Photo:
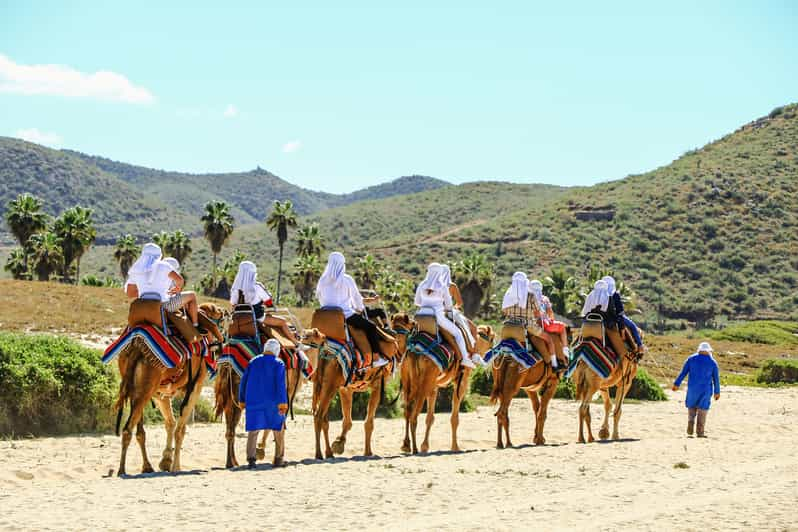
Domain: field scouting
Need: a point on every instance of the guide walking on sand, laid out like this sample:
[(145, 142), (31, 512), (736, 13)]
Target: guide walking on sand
[(703, 382)]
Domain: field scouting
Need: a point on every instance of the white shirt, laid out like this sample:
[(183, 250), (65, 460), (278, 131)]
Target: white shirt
[(343, 294), (160, 281), (257, 295), (438, 299)]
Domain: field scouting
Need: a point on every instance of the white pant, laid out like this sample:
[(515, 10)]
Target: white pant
[(447, 325), (462, 322)]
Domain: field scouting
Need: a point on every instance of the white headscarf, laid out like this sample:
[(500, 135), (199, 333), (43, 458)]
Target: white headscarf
[(598, 297), (435, 281), (145, 265), (447, 274), (272, 346), (245, 281), (704, 347), (517, 292), (611, 289), (333, 272), (536, 289), (173, 263)]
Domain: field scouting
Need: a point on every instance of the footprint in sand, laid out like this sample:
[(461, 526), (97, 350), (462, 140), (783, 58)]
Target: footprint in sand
[(23, 475)]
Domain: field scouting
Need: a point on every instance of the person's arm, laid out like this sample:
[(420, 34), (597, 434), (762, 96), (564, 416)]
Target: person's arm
[(682, 375), (179, 282), (354, 293), (716, 381), (454, 291), (242, 387), (132, 290), (267, 298), (448, 304), (282, 391)]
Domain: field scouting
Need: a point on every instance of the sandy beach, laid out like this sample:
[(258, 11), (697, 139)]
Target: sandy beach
[(744, 476)]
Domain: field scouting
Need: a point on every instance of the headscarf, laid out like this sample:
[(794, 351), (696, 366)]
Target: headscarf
[(435, 281), (536, 289), (611, 289), (145, 265), (517, 292), (333, 272), (173, 263), (272, 347), (245, 281), (598, 297), (704, 347), (447, 274)]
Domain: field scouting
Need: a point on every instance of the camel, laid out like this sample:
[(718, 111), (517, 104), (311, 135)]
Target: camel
[(145, 379), (588, 382), (421, 378), (328, 379), (538, 382)]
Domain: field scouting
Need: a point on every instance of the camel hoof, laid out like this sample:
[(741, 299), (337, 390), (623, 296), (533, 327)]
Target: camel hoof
[(539, 441), (604, 433), (499, 446), (425, 448), (147, 469), (590, 439), (338, 447), (165, 464), (121, 473), (260, 453), (319, 456), (405, 448), (456, 449), (580, 440), (368, 453), (616, 436)]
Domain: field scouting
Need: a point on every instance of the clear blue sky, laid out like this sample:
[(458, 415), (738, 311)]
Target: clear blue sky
[(336, 98)]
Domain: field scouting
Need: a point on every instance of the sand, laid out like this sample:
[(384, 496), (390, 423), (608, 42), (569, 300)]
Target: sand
[(745, 476)]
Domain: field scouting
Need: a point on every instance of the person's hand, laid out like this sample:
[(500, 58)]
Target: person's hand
[(675, 388), (283, 408), (717, 396), (174, 290)]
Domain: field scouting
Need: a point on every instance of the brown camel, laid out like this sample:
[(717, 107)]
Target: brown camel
[(145, 379), (328, 379), (538, 382), (587, 383), (421, 378)]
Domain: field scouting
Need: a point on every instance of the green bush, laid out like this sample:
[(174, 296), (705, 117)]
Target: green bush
[(203, 411), (645, 388), (53, 385), (482, 380), (360, 403), (759, 332), (565, 389), (778, 370)]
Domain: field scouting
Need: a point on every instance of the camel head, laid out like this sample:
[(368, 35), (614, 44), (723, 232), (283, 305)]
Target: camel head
[(402, 324), (213, 311), (485, 338)]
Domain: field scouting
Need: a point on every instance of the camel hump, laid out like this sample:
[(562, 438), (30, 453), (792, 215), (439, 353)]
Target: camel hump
[(330, 322)]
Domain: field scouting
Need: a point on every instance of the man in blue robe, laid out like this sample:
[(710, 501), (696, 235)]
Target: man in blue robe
[(702, 384), (263, 392)]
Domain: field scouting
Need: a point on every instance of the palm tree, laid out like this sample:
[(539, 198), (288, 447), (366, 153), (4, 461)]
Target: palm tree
[(218, 224), (178, 246), (15, 264), (366, 271), (24, 218), (307, 270), (162, 239), (281, 218), (76, 230), (47, 254), (563, 292), (125, 252), (308, 240), (474, 275)]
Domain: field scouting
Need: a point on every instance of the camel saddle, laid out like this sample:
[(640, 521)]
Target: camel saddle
[(330, 321), (427, 323), (593, 327), (243, 323), (514, 331), (149, 311)]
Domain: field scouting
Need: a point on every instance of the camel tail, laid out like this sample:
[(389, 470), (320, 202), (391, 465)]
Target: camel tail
[(317, 384), (580, 381), (125, 390), (498, 383), (220, 392)]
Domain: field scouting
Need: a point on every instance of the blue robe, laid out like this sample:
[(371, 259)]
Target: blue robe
[(262, 388), (703, 381)]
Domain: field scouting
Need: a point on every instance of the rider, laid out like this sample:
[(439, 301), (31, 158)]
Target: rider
[(337, 289), (598, 302), (180, 300), (433, 293), (248, 291), (457, 299), (623, 319), (516, 304), (153, 278), (546, 316)]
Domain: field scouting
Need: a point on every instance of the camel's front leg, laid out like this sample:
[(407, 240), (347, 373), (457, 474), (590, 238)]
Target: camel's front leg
[(534, 398), (232, 416), (374, 403), (461, 388), (604, 431), (321, 421), (542, 411), (164, 405), (431, 398), (620, 395), (141, 438), (406, 442), (339, 445)]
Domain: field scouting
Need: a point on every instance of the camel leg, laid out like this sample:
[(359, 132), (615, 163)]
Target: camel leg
[(431, 398), (541, 411), (499, 428), (164, 404), (503, 421), (406, 442), (415, 409), (136, 411), (374, 403), (620, 395), (604, 431), (141, 438), (457, 398), (180, 429), (339, 445), (145, 382), (321, 421), (534, 398), (232, 416)]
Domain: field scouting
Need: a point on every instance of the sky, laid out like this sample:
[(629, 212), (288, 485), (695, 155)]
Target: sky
[(338, 97)]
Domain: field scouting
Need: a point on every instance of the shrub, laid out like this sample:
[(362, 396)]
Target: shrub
[(759, 332), (482, 380), (565, 389), (778, 370), (203, 411), (645, 388), (53, 385), (360, 403)]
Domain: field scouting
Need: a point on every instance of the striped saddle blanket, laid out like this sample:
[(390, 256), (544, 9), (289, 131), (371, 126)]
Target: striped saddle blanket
[(526, 356), (600, 358), (170, 349), (423, 343), (348, 356), (238, 351)]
